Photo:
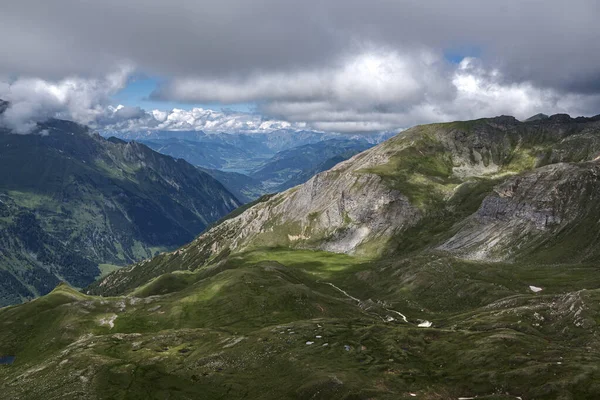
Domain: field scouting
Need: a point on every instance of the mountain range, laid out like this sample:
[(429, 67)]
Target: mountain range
[(253, 164), (74, 205), (454, 260)]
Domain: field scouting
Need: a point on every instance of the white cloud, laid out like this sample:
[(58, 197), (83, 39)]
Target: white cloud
[(83, 100), (377, 90), (195, 119), (385, 90), (371, 78), (87, 101)]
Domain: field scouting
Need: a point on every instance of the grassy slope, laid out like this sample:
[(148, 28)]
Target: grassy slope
[(238, 327)]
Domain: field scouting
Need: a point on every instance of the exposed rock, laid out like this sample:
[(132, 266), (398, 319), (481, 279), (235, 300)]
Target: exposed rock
[(528, 210), (365, 203)]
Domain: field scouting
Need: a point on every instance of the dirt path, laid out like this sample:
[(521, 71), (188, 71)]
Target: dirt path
[(359, 301)]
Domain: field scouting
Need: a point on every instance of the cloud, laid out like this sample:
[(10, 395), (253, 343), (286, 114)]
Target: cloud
[(384, 89), (34, 100), (378, 90), (372, 77), (87, 101), (341, 65), (550, 43), (195, 119)]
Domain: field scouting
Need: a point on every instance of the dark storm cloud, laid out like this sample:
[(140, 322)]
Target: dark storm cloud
[(552, 42)]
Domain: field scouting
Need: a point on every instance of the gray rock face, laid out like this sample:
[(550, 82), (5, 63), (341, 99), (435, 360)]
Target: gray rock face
[(528, 210), (337, 210)]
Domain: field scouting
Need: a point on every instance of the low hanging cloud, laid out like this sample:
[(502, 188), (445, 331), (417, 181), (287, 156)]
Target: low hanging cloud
[(88, 101), (34, 100), (372, 92), (124, 119)]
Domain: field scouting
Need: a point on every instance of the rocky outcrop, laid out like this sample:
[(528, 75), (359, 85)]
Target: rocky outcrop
[(337, 210), (526, 214)]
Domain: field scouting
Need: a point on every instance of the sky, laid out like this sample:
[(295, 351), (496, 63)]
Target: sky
[(326, 65)]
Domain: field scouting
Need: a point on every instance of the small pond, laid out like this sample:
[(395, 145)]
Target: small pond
[(7, 360)]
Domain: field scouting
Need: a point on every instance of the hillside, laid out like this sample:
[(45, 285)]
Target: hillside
[(453, 261), (72, 202), (432, 176)]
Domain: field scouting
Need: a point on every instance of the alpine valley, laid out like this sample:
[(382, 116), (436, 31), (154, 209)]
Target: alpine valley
[(452, 261), (253, 164), (74, 205)]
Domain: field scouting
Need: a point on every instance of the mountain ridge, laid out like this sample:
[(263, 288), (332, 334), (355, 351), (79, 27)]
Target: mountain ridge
[(74, 201), (366, 202)]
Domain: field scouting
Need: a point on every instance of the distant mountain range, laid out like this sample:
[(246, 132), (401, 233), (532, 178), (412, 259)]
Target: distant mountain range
[(73, 204), (258, 143), (294, 166)]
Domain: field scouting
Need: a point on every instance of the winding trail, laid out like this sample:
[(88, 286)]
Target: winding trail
[(359, 301), (343, 291), (399, 313)]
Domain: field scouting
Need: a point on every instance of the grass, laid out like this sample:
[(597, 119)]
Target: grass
[(106, 269), (422, 171), (240, 329), (320, 263)]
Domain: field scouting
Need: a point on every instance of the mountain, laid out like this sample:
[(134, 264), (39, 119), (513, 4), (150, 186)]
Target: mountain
[(139, 136), (246, 164), (287, 167), (243, 187), (206, 154), (454, 260), (237, 152), (305, 174), (537, 117), (260, 143), (72, 202), (285, 139)]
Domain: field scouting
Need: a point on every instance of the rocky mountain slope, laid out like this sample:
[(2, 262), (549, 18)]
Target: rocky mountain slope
[(71, 201), (453, 261), (373, 202)]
